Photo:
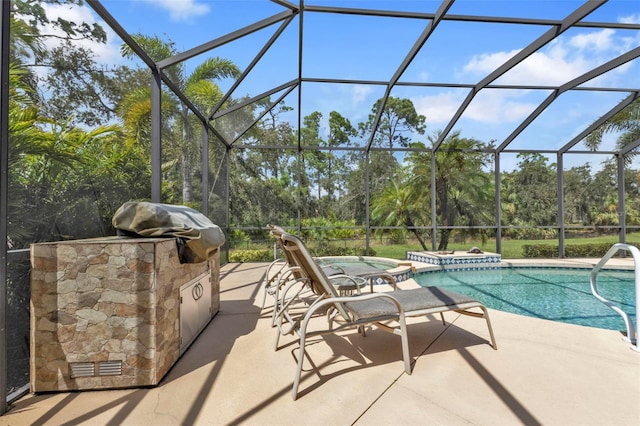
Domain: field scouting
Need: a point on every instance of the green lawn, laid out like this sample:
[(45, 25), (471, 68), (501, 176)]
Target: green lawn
[(511, 249)]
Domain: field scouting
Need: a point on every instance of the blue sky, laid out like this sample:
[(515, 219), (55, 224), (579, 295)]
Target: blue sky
[(371, 48)]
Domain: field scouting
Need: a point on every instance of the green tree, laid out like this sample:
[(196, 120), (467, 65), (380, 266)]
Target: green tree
[(399, 205), (201, 87), (578, 193), (70, 85), (464, 190), (531, 193), (78, 87), (314, 159), (626, 121), (43, 157), (398, 122), (264, 178), (275, 132), (604, 202)]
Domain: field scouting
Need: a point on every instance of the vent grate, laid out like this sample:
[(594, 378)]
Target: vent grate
[(110, 368), (81, 369), (88, 369)]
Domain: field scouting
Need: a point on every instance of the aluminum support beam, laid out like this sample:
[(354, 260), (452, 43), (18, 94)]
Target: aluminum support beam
[(465, 18), (628, 148), (600, 121), (462, 85), (205, 169), (260, 116), (251, 65), (227, 191), (608, 66), (5, 34), (434, 217), (431, 26), (622, 216), (156, 137), (560, 198), (188, 54), (541, 41), (367, 200), (249, 101), (286, 4), (121, 32), (299, 115), (497, 183)]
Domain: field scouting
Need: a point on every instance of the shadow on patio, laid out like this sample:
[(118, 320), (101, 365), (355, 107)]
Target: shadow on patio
[(543, 373)]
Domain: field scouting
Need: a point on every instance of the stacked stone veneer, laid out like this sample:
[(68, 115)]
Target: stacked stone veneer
[(108, 301)]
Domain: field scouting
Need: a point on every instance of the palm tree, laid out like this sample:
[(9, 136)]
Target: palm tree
[(397, 206), (200, 88), (464, 191), (40, 159), (626, 121)]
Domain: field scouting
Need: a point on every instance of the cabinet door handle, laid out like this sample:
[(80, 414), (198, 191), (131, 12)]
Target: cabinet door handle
[(197, 291)]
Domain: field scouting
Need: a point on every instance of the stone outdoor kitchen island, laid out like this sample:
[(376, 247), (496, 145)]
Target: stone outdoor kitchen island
[(106, 312)]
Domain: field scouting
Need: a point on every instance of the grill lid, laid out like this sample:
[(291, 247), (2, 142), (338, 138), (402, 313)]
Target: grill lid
[(198, 237)]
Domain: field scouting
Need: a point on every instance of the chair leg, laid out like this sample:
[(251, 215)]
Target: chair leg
[(486, 317), (404, 338), (276, 299), (296, 380), (275, 344)]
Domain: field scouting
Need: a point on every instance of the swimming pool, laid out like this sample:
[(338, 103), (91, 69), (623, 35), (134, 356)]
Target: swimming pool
[(557, 294)]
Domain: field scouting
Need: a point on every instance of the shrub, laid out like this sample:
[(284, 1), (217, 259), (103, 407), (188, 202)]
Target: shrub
[(571, 250), (331, 250), (266, 255), (240, 256), (326, 229), (539, 250)]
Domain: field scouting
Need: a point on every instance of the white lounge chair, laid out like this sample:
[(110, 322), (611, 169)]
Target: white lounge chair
[(388, 310)]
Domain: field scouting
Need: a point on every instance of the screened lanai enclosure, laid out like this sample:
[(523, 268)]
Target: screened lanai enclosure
[(369, 125)]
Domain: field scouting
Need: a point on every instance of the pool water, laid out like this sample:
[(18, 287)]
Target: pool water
[(557, 294)]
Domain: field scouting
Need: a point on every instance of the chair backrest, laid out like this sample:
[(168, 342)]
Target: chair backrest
[(318, 280), (277, 233), (276, 230)]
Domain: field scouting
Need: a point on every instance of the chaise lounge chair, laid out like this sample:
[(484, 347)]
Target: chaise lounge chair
[(380, 309), (348, 280)]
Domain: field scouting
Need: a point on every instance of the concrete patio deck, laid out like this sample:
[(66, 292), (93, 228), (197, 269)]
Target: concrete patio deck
[(542, 373)]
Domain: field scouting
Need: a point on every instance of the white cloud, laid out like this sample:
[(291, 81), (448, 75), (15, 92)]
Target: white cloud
[(439, 108), (490, 106), (631, 19), (360, 94), (541, 68), (181, 10), (560, 61), (107, 54), (498, 108), (487, 62), (598, 41)]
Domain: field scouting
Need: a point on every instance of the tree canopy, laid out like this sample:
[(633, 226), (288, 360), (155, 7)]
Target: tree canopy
[(81, 138)]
